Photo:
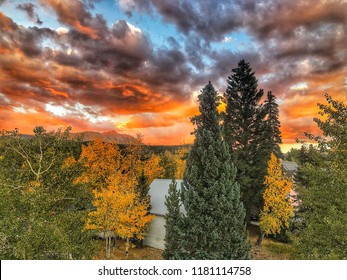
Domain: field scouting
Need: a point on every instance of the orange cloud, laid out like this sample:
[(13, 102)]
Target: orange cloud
[(27, 121), (58, 93), (85, 29), (73, 14), (6, 23), (178, 134), (299, 105)]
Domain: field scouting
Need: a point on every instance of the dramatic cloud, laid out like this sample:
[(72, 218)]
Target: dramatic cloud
[(83, 67), (75, 14)]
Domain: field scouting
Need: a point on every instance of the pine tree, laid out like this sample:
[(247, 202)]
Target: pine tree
[(142, 188), (243, 125), (214, 225), (272, 124), (173, 220)]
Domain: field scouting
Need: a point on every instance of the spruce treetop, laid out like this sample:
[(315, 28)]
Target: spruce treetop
[(242, 84), (209, 117)]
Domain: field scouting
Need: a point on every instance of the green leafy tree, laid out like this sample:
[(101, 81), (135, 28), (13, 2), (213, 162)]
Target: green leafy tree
[(323, 191), (293, 155), (214, 226), (173, 223), (311, 155), (243, 131), (323, 206), (334, 127), (42, 210)]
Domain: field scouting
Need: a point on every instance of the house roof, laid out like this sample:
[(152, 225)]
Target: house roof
[(158, 189), (289, 167)]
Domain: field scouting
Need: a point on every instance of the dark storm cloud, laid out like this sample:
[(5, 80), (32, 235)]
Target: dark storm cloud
[(209, 19), (284, 28), (294, 14), (212, 20), (168, 67), (26, 39), (196, 49), (303, 30), (75, 14), (29, 9)]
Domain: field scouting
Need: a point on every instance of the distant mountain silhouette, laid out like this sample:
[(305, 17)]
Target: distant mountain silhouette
[(108, 136)]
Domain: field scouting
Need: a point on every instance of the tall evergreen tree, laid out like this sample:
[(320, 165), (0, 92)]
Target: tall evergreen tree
[(214, 223), (173, 220), (269, 133), (142, 188), (272, 131), (243, 126)]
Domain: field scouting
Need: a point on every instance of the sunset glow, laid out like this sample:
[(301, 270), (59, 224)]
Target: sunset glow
[(138, 66)]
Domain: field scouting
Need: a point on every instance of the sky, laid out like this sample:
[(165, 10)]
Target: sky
[(138, 66)]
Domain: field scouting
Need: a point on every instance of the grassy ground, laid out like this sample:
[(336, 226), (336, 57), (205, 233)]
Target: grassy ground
[(118, 253), (270, 250)]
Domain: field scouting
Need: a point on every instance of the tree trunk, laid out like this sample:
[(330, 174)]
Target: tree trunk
[(127, 247), (108, 246), (114, 243), (248, 217), (260, 238)]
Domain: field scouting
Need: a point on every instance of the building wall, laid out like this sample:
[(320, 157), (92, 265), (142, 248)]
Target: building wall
[(156, 233)]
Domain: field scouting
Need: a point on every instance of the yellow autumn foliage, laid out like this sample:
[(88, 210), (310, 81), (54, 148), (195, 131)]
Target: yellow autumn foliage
[(68, 162), (100, 161), (277, 209), (119, 209), (113, 175)]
